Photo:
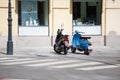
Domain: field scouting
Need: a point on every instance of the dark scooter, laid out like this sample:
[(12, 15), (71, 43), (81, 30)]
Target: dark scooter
[(61, 42), (81, 43)]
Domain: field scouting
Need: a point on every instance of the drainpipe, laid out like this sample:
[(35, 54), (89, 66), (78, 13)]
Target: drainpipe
[(52, 37)]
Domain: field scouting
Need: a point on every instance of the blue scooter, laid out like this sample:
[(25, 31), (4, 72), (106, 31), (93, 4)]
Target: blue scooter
[(81, 43)]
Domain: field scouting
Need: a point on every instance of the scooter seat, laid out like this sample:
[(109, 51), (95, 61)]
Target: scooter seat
[(85, 37)]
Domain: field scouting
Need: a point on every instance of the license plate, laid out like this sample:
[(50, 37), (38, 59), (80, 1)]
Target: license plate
[(90, 47)]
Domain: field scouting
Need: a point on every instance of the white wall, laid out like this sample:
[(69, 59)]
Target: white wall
[(113, 16), (113, 23)]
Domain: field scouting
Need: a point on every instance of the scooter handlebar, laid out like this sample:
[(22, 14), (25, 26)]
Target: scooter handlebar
[(79, 32)]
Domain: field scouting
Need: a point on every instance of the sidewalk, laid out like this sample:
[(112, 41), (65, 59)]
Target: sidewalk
[(100, 54), (48, 51), (28, 51)]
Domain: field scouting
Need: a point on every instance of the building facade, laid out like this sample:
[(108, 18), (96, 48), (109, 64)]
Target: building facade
[(35, 22)]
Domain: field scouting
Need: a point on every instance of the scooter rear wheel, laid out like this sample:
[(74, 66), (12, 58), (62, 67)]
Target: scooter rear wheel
[(86, 52), (65, 50)]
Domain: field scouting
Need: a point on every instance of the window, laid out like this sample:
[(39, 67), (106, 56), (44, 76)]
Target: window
[(33, 17), (33, 13), (87, 12)]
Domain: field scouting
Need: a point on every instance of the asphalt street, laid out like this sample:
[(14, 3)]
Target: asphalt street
[(56, 68), (44, 64)]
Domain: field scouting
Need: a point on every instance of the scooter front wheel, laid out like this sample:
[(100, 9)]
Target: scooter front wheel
[(56, 49), (73, 49)]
